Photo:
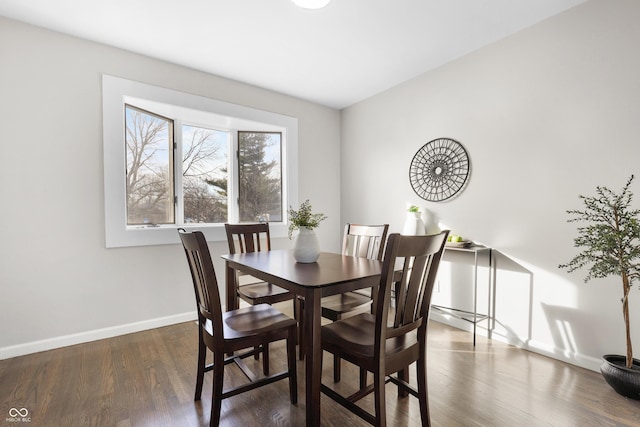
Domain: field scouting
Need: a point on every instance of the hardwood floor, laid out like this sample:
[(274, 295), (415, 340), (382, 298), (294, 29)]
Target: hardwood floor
[(148, 379)]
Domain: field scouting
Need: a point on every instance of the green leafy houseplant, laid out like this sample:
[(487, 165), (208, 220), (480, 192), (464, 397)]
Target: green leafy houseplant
[(303, 217), (610, 243), (413, 208)]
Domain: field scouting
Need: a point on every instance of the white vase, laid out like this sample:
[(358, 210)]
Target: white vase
[(306, 248), (413, 225)]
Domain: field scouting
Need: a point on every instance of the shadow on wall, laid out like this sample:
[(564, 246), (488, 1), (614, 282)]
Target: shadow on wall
[(509, 334), (512, 300), (572, 335), (505, 290), (567, 339)]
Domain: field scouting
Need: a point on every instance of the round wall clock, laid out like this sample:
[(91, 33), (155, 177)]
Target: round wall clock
[(439, 169)]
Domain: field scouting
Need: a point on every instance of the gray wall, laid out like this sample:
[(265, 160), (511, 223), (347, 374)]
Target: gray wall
[(545, 115), (58, 283)]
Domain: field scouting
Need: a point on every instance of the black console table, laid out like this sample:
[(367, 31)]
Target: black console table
[(472, 316)]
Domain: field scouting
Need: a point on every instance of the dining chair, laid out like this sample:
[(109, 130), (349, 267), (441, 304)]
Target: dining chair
[(362, 241), (252, 327), (243, 238), (372, 342)]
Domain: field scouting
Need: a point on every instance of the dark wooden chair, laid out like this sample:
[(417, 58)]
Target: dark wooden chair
[(371, 342), (243, 238), (365, 241), (251, 327)]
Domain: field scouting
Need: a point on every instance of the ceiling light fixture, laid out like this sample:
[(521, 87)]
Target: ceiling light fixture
[(311, 4)]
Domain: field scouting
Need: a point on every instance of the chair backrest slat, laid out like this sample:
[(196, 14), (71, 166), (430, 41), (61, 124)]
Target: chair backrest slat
[(243, 238), (366, 241)]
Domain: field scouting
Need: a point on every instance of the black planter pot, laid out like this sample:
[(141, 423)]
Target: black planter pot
[(623, 380)]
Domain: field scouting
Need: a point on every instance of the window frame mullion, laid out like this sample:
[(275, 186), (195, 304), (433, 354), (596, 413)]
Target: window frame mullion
[(233, 185), (177, 167)]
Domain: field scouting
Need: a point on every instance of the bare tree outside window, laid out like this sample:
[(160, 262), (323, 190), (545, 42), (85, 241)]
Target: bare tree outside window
[(260, 174), (204, 168), (149, 157), (204, 172)]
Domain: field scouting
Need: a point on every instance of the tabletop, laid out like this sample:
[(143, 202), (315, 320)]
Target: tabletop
[(329, 270)]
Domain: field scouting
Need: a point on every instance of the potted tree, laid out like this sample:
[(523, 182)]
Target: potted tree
[(610, 243)]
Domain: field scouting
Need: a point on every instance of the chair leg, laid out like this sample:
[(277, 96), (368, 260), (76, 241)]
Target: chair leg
[(202, 354), (379, 398), (301, 348), (363, 378), (423, 391), (216, 396), (403, 375), (265, 358), (336, 361), (336, 369), (291, 362), (298, 308)]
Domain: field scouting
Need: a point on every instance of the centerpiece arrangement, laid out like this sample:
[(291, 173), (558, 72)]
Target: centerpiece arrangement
[(306, 248), (611, 247)]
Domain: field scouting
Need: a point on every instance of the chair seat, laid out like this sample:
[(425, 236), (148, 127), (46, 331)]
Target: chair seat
[(335, 306), (263, 292), (357, 334), (253, 320)]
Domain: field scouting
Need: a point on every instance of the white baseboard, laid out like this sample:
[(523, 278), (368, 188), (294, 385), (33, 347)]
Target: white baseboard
[(97, 334), (573, 358)]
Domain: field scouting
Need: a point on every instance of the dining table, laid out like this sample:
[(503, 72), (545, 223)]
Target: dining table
[(331, 274)]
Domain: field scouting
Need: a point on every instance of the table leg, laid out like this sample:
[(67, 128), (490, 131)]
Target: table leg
[(491, 296), (232, 297), (313, 355), (475, 296)]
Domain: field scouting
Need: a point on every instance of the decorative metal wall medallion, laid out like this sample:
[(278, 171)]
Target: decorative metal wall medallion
[(439, 170)]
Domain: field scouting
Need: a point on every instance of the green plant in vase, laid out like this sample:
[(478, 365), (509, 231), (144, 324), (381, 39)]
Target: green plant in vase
[(306, 248), (304, 217)]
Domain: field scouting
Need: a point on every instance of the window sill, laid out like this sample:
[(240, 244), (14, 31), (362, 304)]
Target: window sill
[(168, 234)]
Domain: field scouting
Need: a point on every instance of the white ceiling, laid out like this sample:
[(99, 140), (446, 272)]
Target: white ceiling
[(336, 56)]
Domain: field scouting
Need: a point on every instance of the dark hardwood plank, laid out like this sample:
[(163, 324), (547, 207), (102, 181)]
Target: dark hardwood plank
[(148, 379)]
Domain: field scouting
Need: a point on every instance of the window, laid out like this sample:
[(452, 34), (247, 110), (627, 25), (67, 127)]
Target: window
[(149, 153), (205, 177), (260, 176), (178, 160), (152, 187)]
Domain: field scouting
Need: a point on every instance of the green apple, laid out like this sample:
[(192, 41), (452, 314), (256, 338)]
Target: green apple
[(455, 238)]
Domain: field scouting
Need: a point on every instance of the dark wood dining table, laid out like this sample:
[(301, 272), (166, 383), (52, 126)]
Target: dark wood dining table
[(331, 274)]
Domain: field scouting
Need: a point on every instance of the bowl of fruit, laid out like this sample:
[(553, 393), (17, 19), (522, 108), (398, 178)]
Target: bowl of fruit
[(456, 241)]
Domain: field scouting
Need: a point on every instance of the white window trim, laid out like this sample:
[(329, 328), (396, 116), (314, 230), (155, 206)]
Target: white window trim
[(115, 91)]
